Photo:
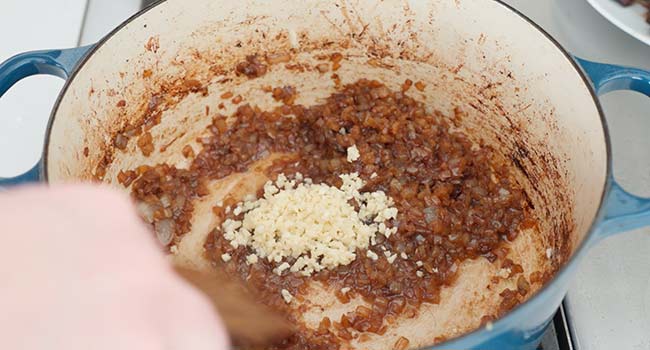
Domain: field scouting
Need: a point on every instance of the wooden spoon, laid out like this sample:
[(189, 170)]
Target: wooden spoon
[(248, 321)]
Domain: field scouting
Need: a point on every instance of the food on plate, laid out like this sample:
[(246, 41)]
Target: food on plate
[(645, 3)]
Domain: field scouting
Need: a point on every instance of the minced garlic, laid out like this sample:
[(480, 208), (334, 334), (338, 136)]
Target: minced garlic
[(281, 268), (353, 153), (313, 225), (251, 259), (372, 255), (286, 296)]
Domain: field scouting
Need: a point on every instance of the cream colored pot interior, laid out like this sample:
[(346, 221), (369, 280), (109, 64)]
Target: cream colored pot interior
[(491, 72)]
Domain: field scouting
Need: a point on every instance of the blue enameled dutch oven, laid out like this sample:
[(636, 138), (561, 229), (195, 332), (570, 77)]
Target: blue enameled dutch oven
[(516, 88)]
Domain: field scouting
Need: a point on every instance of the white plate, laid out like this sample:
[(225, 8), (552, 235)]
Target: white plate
[(630, 19)]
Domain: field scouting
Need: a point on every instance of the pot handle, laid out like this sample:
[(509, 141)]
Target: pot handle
[(59, 63), (623, 211)]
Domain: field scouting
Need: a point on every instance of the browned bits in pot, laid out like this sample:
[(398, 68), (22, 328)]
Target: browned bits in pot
[(104, 162), (153, 44), (336, 59), (401, 344), (100, 171), (364, 337), (515, 269), (237, 99), (126, 177), (152, 120), (278, 58), (145, 142), (407, 85), (509, 299), (207, 111), (528, 223), (132, 131), (487, 318), (325, 324), (374, 62), (343, 297), (440, 339), (323, 67), (221, 106), (420, 85), (252, 67), (345, 334), (162, 194), (336, 79), (86, 152), (457, 68), (523, 287), (286, 94), (142, 169), (193, 85), (121, 103), (363, 319), (219, 124), (226, 95), (449, 208), (535, 277), (295, 66), (188, 151), (146, 73), (120, 141)]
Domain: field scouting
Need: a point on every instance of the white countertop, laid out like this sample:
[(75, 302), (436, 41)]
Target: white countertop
[(609, 301)]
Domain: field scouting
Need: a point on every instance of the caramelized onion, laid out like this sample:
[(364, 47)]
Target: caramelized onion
[(145, 210), (164, 231), (455, 201)]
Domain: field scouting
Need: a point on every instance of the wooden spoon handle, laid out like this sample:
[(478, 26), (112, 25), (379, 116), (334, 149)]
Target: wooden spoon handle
[(247, 320)]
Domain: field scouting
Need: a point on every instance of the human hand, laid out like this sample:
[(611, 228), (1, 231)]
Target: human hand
[(78, 270)]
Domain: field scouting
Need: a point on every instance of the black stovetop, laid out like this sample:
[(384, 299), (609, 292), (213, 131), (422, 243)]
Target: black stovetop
[(558, 336)]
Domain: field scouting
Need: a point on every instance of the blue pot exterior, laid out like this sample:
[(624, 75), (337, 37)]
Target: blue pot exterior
[(524, 326), (60, 63)]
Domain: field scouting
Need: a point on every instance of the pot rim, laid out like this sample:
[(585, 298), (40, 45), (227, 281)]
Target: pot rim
[(519, 309)]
